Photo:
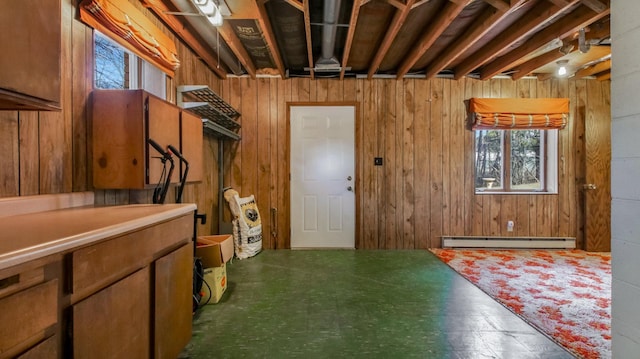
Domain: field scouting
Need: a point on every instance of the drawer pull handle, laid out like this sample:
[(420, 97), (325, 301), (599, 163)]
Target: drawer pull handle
[(6, 282)]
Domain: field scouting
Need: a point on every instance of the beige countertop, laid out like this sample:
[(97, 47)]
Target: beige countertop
[(27, 237)]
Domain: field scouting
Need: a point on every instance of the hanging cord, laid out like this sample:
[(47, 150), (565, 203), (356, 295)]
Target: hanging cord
[(160, 192)]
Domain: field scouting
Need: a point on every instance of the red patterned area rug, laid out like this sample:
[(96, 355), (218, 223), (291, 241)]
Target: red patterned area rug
[(566, 294)]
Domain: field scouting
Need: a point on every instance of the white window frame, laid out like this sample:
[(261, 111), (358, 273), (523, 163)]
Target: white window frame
[(142, 74), (549, 163)]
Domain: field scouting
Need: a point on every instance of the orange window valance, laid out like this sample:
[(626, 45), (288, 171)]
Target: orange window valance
[(519, 113), (124, 23)]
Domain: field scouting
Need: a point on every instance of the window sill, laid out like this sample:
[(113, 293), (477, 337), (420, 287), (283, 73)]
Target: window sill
[(517, 192)]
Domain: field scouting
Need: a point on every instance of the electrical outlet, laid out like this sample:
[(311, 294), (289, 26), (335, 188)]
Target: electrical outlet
[(509, 226)]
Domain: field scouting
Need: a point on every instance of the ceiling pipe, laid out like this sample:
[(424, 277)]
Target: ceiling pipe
[(330, 22), (210, 34)]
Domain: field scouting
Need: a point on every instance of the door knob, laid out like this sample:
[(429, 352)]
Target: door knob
[(589, 186), (350, 189)]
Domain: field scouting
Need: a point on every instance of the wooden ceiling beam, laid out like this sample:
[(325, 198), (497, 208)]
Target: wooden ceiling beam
[(398, 20), (297, 4), (604, 76), (522, 70), (355, 11), (560, 3), (270, 38), (161, 10), (526, 68), (594, 70), (397, 4), (562, 28), (307, 30), (230, 38), (489, 19), (434, 30), (524, 27), (596, 5), (500, 5)]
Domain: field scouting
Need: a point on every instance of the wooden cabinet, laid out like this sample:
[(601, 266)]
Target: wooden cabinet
[(191, 145), (114, 323), (131, 295), (173, 289), (30, 34), (123, 122), (29, 314), (118, 283)]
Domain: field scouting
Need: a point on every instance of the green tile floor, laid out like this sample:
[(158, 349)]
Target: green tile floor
[(358, 304)]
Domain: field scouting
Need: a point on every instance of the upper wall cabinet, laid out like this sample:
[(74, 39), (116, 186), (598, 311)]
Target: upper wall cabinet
[(30, 38), (123, 122)]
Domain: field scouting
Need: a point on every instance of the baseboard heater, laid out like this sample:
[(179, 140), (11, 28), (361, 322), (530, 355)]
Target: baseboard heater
[(508, 242)]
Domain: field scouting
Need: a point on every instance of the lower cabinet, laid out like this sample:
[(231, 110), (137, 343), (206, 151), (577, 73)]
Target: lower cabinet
[(128, 296), (28, 311), (114, 323), (173, 302), (144, 311)]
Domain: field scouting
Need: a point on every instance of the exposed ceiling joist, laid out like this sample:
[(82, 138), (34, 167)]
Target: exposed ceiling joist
[(307, 29), (226, 32), (566, 26), (434, 30), (526, 68), (594, 70), (161, 10), (560, 3), (267, 31), (499, 4), (296, 3), (604, 76), (418, 3), (596, 5), (348, 43), (397, 4), (490, 18), (398, 19), (528, 25)]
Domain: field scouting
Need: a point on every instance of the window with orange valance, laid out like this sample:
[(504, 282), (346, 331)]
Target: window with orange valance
[(125, 24), (519, 113)]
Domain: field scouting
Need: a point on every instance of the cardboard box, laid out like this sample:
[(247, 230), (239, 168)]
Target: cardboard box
[(216, 284), (215, 250)]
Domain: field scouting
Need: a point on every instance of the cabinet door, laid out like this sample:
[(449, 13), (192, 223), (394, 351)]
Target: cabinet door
[(30, 34), (114, 323), (173, 302), (118, 154), (26, 315), (191, 144), (163, 126)]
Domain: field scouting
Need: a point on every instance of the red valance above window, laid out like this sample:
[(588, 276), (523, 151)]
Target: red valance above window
[(125, 24), (519, 113)]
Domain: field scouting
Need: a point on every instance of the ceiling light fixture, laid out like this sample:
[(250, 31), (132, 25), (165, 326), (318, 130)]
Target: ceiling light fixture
[(210, 9), (562, 67)]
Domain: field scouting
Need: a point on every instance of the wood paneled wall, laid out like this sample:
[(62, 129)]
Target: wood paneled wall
[(424, 189)]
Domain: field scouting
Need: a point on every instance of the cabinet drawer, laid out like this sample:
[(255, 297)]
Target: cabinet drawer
[(25, 316), (99, 265), (48, 349)]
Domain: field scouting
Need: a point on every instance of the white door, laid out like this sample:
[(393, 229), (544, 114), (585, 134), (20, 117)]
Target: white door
[(322, 176)]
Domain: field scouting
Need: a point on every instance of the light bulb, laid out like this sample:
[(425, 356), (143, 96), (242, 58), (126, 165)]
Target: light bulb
[(562, 71)]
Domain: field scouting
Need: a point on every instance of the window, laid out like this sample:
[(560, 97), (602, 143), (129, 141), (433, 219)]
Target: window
[(118, 68), (520, 161)]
